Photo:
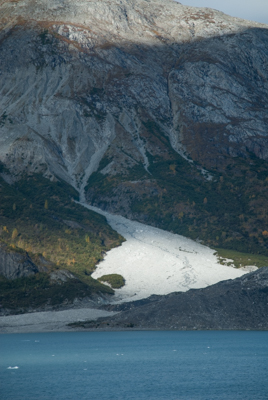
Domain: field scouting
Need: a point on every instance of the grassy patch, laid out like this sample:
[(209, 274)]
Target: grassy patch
[(115, 280), (242, 259)]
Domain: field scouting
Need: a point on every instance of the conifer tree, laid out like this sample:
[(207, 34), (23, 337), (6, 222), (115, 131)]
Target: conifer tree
[(14, 233)]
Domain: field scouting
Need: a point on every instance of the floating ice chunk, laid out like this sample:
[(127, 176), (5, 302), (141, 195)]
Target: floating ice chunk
[(16, 367)]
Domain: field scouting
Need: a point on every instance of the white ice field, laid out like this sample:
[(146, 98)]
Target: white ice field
[(154, 261)]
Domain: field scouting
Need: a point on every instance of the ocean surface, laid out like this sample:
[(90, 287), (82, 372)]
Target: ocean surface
[(198, 365)]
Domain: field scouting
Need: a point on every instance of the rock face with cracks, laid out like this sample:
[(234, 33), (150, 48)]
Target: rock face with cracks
[(14, 265), (79, 76)]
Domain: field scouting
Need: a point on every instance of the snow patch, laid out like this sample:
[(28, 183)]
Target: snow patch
[(154, 261)]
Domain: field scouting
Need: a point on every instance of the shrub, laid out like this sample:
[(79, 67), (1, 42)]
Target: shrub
[(115, 280)]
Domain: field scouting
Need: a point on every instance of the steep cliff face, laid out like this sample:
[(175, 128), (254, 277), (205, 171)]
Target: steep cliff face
[(138, 85), (14, 265)]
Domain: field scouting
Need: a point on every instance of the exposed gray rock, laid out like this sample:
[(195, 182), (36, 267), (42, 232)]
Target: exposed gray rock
[(241, 303), (61, 276), (15, 265), (84, 79), (79, 76)]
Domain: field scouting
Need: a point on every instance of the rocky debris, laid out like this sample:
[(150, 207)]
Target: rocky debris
[(241, 303), (47, 321), (15, 265)]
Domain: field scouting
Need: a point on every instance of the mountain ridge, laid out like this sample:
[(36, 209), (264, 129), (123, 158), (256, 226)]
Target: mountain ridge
[(57, 49)]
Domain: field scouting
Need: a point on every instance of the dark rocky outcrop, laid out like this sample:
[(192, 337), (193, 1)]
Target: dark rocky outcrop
[(236, 304), (15, 265)]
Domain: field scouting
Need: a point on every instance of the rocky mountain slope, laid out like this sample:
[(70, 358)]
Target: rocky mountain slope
[(158, 110), (241, 303)]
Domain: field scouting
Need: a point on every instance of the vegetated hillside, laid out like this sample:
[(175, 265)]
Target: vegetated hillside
[(40, 221), (227, 211), (241, 303), (158, 109)]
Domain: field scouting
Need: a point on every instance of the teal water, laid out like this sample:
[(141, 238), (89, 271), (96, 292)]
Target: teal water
[(135, 365)]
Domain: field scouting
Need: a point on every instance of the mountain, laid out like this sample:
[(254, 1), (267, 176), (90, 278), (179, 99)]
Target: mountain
[(144, 108), (157, 110)]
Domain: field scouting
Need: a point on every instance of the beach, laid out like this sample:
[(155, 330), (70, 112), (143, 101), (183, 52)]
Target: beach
[(48, 321)]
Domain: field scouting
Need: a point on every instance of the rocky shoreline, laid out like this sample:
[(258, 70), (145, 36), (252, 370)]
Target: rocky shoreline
[(49, 321), (239, 304)]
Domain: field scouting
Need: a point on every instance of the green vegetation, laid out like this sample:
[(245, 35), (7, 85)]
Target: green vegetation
[(42, 218), (229, 211), (241, 259), (44, 36), (37, 291), (115, 280)]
